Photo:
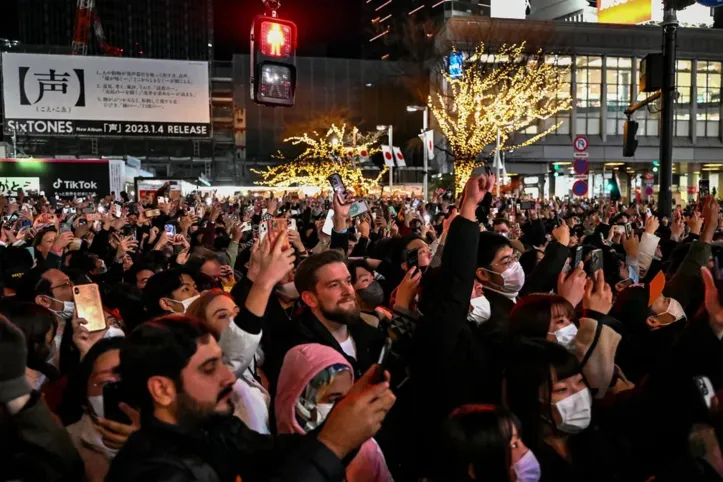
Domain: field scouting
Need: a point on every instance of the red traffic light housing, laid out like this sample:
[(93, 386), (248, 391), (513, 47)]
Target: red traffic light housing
[(273, 61)]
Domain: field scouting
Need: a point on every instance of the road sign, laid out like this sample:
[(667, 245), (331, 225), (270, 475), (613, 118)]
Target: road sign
[(649, 191), (579, 188), (580, 155), (581, 144), (580, 166)]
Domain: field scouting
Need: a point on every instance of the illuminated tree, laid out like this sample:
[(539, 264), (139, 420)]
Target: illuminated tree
[(338, 150), (505, 92)]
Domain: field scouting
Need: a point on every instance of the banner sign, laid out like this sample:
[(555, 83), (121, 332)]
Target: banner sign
[(49, 95), (625, 11), (65, 178)]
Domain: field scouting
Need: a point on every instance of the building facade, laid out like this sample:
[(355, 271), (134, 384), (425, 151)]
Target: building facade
[(603, 81)]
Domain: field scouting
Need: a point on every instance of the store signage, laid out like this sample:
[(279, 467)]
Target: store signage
[(624, 11), (60, 95), (65, 178)]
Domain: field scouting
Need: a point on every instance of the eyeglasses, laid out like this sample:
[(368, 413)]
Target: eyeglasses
[(511, 259), (67, 284)]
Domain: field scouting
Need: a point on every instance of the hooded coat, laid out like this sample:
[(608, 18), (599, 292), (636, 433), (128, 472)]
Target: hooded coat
[(301, 364)]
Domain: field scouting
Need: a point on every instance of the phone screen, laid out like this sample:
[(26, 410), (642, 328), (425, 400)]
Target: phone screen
[(412, 258), (595, 263), (170, 229), (578, 257), (628, 230), (112, 397), (89, 306)]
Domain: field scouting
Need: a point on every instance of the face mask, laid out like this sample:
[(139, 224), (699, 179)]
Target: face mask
[(372, 295), (186, 303), (481, 310), (633, 275), (527, 468), (514, 279), (96, 404), (67, 311), (566, 336), (288, 291), (675, 309), (113, 331), (575, 412), (323, 410)]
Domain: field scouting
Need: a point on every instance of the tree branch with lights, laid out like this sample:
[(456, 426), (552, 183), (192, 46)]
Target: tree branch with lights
[(507, 91), (340, 150)]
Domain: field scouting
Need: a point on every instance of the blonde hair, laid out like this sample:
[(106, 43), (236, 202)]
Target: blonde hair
[(198, 308)]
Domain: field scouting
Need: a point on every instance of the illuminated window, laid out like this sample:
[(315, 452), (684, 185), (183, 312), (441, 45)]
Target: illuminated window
[(587, 97), (707, 98), (563, 93), (619, 78), (683, 82)]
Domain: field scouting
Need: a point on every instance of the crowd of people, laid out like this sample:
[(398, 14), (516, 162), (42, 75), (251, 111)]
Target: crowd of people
[(331, 338)]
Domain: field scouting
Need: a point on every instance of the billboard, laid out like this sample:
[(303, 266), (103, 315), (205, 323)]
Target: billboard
[(624, 11), (48, 95), (66, 178)]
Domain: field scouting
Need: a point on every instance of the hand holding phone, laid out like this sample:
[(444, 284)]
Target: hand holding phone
[(383, 361), (337, 185), (89, 306), (113, 395)]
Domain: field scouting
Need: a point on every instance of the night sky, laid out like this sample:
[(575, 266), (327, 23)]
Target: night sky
[(326, 27)]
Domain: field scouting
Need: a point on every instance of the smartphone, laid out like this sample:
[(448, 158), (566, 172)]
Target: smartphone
[(577, 258), (705, 387), (89, 209), (628, 230), (170, 230), (89, 306), (527, 205), (161, 200), (412, 259), (415, 204), (338, 186), (117, 210), (263, 231), (383, 361), (152, 213), (113, 395), (291, 224), (64, 228), (328, 223), (247, 227), (92, 217), (277, 226), (357, 208), (25, 223), (595, 263)]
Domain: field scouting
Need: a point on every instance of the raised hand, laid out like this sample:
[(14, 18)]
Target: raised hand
[(407, 290), (63, 240), (275, 262), (572, 286), (598, 295), (562, 234), (358, 416), (631, 245)]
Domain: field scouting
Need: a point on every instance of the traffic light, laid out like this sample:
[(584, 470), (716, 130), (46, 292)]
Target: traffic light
[(273, 61), (656, 163)]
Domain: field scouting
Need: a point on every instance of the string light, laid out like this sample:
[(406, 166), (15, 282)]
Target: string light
[(507, 91), (337, 151)]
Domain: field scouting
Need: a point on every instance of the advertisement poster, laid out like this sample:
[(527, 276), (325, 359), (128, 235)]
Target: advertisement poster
[(65, 178), (49, 95)]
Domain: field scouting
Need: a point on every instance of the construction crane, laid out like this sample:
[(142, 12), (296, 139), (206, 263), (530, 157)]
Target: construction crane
[(85, 14)]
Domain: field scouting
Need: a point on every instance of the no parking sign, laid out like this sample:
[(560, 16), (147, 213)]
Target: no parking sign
[(579, 188)]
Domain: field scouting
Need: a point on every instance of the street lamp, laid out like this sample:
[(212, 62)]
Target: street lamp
[(425, 125), (390, 133)]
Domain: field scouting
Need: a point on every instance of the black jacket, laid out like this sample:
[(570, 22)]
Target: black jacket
[(224, 450)]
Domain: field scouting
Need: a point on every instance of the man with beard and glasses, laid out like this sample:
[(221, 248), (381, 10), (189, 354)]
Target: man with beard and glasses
[(331, 315), (171, 368)]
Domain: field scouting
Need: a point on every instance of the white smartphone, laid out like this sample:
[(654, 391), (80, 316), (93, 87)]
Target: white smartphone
[(291, 223), (328, 223), (263, 230)]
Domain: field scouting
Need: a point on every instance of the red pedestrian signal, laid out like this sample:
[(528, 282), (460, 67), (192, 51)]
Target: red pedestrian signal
[(273, 60)]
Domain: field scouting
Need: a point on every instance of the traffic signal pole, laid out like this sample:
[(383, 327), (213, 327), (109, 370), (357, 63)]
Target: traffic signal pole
[(670, 34)]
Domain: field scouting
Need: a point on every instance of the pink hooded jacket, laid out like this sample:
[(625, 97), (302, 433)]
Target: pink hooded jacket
[(301, 364)]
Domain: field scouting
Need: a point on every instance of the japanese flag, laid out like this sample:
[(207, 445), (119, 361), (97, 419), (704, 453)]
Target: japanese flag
[(399, 157), (349, 153), (429, 143), (388, 156), (363, 154)]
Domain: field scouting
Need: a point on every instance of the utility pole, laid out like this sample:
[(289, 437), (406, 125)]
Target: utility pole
[(670, 34)]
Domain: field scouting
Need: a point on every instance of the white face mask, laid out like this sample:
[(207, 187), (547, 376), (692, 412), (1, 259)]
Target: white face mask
[(514, 280), (481, 310), (675, 309), (527, 469), (67, 311), (566, 336), (96, 404), (186, 303), (114, 331), (323, 409), (288, 291), (575, 412)]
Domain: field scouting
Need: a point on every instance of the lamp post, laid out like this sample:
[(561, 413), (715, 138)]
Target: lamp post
[(425, 125), (390, 133)]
